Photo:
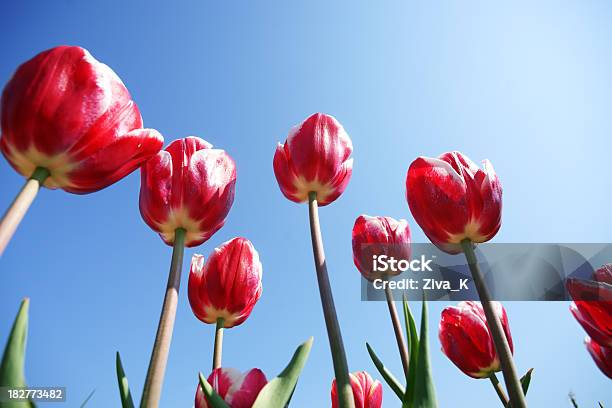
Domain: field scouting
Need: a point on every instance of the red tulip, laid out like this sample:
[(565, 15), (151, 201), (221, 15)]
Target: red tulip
[(379, 236), (601, 355), (595, 316), (65, 111), (466, 339), (315, 157), (228, 285), (367, 392), (452, 199), (188, 185), (237, 390)]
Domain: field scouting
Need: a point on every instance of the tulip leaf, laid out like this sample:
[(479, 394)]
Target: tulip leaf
[(412, 337), (278, 392), (525, 381), (211, 395), (13, 359), (389, 378), (124, 388), (424, 391)]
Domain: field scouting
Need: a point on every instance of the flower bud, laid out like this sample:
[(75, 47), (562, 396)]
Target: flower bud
[(466, 339), (376, 236), (65, 111), (452, 199), (188, 185), (227, 285), (367, 392), (595, 316), (236, 389), (601, 355), (314, 158)]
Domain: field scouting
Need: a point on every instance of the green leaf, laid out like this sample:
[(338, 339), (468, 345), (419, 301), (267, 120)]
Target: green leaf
[(424, 393), (389, 378), (88, 398), (278, 392), (13, 359), (124, 388), (525, 380), (413, 349), (211, 395)]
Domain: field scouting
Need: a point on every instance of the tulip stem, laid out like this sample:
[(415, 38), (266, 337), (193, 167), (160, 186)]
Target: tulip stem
[(345, 392), (15, 213), (397, 328), (218, 350), (159, 356), (517, 399), (499, 389)]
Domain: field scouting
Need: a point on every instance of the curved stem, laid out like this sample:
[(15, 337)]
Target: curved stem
[(15, 213), (517, 399), (499, 389), (397, 328), (218, 350), (345, 392), (159, 356)]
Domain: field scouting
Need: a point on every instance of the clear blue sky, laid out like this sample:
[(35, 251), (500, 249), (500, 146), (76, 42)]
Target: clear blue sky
[(525, 84)]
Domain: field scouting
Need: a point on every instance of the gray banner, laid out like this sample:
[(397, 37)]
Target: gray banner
[(534, 272)]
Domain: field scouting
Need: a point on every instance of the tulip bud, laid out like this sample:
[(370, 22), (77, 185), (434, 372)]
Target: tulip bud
[(236, 389), (228, 285), (314, 158), (376, 236), (595, 316), (367, 392), (466, 339), (65, 111), (188, 185), (601, 355), (452, 199)]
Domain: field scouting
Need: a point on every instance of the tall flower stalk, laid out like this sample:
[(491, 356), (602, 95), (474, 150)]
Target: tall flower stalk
[(159, 357), (314, 166), (345, 394), (68, 122), (502, 347), (15, 213)]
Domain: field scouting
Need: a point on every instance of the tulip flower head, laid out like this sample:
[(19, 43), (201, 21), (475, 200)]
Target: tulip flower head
[(367, 392), (452, 199), (595, 316), (68, 113), (236, 389), (314, 158), (466, 339), (188, 185), (601, 355), (376, 236), (227, 285)]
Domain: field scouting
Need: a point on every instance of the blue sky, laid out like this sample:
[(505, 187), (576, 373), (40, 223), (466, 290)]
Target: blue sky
[(524, 84)]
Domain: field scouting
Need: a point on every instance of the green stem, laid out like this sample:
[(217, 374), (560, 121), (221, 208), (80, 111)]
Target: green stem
[(15, 213), (499, 389), (397, 328), (345, 393), (218, 350), (517, 399), (159, 356)]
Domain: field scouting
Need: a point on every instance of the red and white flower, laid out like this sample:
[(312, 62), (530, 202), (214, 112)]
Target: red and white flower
[(238, 390), (314, 158)]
